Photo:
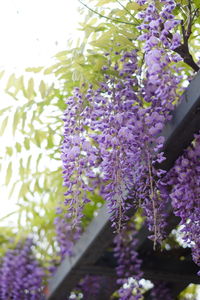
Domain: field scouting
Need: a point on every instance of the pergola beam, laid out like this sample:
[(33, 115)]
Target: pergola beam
[(185, 122), (87, 251)]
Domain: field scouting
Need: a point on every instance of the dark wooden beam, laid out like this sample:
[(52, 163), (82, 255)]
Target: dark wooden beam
[(175, 289), (87, 251), (185, 122), (169, 270), (170, 266)]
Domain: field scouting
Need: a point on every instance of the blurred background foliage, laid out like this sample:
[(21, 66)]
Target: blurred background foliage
[(32, 117)]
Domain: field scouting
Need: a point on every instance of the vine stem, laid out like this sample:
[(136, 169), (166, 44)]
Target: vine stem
[(152, 199), (118, 177), (105, 17)]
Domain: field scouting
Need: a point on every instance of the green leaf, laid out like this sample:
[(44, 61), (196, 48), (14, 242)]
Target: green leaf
[(30, 89), (62, 53), (197, 3), (40, 136), (23, 118), (38, 160), (21, 169), (34, 70), (18, 147), (51, 69), (28, 164), (133, 6), (92, 21), (50, 142), (37, 187), (1, 74), (2, 111), (10, 82), (16, 121), (42, 89), (9, 151), (27, 143), (24, 189), (8, 174), (12, 190), (118, 12), (104, 40), (102, 2), (3, 125)]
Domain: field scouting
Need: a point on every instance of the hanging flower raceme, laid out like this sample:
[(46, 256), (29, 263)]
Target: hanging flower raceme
[(66, 233), (78, 155), (159, 93), (128, 264), (161, 82), (184, 178), (21, 275), (99, 138)]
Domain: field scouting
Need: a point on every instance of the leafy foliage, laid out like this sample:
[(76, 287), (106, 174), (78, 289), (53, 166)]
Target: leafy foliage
[(36, 105)]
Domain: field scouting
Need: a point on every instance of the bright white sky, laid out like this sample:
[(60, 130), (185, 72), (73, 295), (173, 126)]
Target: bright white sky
[(32, 31)]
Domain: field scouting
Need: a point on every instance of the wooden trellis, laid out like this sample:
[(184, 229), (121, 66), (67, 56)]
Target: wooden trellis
[(91, 255)]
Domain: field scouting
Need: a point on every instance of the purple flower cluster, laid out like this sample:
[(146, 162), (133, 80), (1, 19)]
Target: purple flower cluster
[(111, 133), (21, 275), (128, 263), (107, 138), (161, 291), (160, 88), (184, 178), (94, 287), (158, 24), (66, 233), (90, 286), (78, 155), (159, 92)]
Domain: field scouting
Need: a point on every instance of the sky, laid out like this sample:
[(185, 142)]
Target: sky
[(32, 31)]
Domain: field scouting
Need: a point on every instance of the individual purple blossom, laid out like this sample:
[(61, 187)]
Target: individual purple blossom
[(176, 40), (141, 2)]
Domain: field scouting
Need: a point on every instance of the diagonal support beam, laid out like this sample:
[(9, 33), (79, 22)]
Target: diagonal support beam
[(179, 132), (87, 251)]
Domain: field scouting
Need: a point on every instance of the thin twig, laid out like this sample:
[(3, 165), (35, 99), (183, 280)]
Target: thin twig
[(105, 17)]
